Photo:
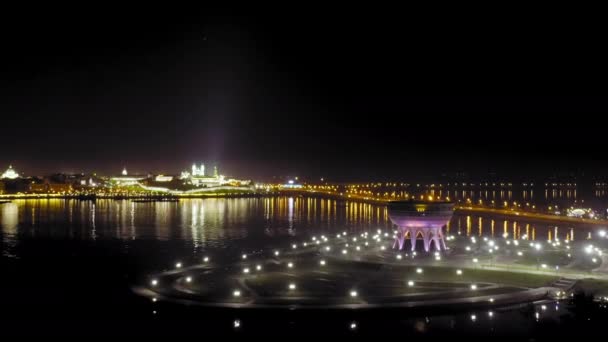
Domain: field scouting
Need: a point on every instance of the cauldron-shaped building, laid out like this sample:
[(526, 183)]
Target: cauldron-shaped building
[(420, 220)]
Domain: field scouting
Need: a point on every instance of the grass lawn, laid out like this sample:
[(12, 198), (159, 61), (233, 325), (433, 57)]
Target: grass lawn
[(550, 258)]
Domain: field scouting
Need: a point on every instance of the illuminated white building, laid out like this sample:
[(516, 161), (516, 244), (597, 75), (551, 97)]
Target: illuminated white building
[(291, 185), (200, 171), (125, 179), (163, 178), (10, 173), (90, 182), (199, 178)]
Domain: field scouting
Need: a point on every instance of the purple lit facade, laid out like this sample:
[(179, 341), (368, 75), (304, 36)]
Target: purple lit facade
[(418, 220)]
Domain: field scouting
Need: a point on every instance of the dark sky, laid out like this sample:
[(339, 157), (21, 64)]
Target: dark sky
[(345, 94)]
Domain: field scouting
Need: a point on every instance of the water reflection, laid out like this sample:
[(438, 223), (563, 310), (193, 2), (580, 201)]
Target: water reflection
[(548, 194), (485, 225), (217, 222), (9, 218)]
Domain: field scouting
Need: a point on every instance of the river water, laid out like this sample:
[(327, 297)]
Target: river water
[(68, 265)]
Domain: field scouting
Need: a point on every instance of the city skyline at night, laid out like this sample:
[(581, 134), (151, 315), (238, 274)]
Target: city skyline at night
[(278, 95), (303, 171)]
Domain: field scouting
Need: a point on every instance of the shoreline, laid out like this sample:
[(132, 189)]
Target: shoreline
[(548, 218), (531, 215), (9, 198)]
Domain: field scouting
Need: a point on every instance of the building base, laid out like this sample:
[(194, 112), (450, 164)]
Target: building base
[(428, 235)]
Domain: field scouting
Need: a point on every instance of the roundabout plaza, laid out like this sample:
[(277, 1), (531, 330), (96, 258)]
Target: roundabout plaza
[(415, 265)]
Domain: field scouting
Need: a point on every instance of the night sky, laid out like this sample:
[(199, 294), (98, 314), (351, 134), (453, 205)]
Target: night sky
[(389, 94)]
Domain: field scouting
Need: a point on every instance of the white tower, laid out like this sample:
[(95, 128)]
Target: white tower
[(198, 171)]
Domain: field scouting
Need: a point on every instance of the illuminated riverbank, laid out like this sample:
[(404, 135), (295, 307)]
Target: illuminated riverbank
[(226, 192), (516, 213)]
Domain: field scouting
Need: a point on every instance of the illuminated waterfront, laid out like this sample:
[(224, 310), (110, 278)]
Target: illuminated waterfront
[(197, 172), (113, 245), (218, 222), (116, 244)]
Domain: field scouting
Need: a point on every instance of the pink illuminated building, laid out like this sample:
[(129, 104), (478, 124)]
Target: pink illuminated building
[(417, 220)]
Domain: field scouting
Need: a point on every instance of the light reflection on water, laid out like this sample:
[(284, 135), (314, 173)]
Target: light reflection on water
[(548, 195), (199, 223), (156, 234), (219, 223)]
